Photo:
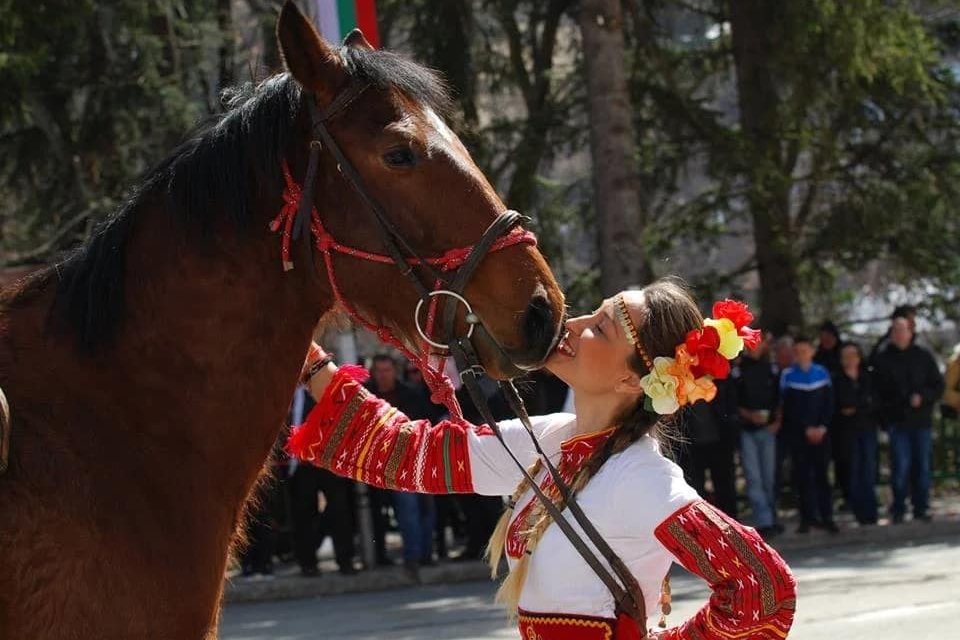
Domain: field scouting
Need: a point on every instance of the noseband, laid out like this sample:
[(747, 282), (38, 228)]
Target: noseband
[(298, 213)]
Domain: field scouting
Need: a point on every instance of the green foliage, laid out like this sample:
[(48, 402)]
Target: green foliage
[(866, 134), (96, 93)]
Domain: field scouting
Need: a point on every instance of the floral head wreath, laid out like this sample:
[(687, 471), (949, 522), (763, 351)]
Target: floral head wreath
[(703, 357)]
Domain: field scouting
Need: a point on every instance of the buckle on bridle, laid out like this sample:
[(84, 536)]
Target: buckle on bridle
[(475, 371)]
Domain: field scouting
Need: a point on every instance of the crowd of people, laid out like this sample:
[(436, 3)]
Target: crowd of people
[(794, 409)]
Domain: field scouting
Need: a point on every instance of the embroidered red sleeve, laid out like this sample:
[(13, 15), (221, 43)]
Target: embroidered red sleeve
[(357, 435), (754, 593)]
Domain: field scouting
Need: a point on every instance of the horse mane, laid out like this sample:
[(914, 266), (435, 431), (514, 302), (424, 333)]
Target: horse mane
[(217, 170)]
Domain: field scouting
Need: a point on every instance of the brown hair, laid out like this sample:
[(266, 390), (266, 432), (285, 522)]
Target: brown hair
[(667, 314)]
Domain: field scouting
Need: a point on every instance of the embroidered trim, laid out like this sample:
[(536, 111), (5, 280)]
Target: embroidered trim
[(357, 435), (531, 621), (586, 437), (754, 594)]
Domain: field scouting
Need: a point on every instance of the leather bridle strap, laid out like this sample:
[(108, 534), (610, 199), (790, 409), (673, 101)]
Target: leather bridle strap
[(500, 226), (569, 498)]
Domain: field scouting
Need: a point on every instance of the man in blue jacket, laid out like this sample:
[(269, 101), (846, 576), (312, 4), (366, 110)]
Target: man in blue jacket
[(806, 397)]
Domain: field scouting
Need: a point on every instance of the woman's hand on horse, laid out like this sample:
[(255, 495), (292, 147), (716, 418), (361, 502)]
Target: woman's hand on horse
[(318, 369), (319, 382)]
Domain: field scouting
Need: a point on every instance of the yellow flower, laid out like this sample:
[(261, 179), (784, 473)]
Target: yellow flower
[(731, 344), (661, 387)]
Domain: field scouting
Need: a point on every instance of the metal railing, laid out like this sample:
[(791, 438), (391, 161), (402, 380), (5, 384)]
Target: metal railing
[(946, 447)]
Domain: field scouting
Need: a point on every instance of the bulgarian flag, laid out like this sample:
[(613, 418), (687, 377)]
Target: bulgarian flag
[(337, 18)]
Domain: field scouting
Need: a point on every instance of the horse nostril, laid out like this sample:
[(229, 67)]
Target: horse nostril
[(538, 324)]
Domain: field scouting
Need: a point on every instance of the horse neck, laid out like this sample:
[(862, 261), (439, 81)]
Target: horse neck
[(214, 336)]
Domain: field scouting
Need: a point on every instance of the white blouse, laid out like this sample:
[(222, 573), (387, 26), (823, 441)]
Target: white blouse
[(633, 492)]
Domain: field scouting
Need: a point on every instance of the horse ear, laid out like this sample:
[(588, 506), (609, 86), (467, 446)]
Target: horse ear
[(307, 56), (357, 40)]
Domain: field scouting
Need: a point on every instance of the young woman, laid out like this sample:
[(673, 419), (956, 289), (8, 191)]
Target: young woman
[(632, 364), (856, 424)]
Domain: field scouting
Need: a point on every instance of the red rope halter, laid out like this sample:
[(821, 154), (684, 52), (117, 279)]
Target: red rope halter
[(441, 388)]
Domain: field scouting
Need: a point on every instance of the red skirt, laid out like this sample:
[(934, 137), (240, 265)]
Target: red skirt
[(559, 626)]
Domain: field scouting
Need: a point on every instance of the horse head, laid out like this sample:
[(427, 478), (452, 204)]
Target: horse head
[(384, 114)]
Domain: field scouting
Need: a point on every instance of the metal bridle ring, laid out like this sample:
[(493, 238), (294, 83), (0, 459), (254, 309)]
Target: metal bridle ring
[(438, 292)]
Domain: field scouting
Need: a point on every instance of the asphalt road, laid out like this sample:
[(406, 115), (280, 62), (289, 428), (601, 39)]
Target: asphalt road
[(875, 592)]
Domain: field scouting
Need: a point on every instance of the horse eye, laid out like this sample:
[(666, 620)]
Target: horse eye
[(400, 157)]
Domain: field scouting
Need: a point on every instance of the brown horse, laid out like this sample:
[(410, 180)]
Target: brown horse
[(148, 374)]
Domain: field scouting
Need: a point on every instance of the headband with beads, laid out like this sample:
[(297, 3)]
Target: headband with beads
[(630, 329)]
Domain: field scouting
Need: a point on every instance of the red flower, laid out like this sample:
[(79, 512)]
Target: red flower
[(739, 314), (734, 311), (751, 337), (703, 345)]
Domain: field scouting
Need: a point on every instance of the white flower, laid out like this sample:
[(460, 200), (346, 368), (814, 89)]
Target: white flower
[(661, 386)]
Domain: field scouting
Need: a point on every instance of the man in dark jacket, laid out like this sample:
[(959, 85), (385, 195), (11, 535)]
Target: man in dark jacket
[(908, 384), (806, 397)]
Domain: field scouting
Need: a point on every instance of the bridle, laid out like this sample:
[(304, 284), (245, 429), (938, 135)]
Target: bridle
[(449, 272), (298, 218)]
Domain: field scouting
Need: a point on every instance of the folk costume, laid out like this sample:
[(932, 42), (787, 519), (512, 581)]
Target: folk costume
[(637, 500)]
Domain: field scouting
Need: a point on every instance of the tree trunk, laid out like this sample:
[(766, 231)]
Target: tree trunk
[(754, 26), (612, 147)]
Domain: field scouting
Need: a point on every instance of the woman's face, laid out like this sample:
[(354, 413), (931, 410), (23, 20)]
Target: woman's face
[(850, 357), (592, 358)]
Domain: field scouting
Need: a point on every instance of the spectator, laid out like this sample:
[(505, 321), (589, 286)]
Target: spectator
[(907, 311), (806, 401), (828, 357), (310, 524), (908, 385), (712, 431), (783, 354), (855, 423), (951, 393), (828, 348), (757, 396), (415, 513)]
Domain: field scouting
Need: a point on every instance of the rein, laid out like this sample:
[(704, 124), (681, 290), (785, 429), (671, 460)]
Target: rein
[(299, 217)]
